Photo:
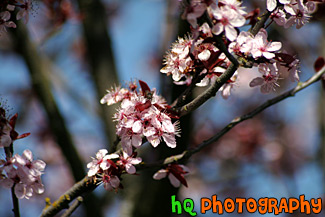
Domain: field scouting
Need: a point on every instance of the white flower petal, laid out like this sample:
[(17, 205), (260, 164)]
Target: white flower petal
[(115, 182), (160, 174), (137, 126), (231, 33), (204, 55), (130, 169), (256, 81), (170, 140), (217, 29), (173, 180), (274, 46), (271, 5)]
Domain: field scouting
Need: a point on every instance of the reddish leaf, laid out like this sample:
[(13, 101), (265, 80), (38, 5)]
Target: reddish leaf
[(141, 107), (113, 165), (319, 64), (23, 135), (12, 121), (171, 113), (144, 87), (283, 57), (178, 172)]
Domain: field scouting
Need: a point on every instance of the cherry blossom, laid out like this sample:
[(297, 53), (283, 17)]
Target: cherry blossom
[(29, 166), (270, 75), (262, 47), (243, 43), (234, 5), (110, 182), (127, 162), (194, 11), (178, 62), (300, 15), (24, 11), (279, 16), (228, 20), (145, 114), (4, 21), (23, 173), (101, 162)]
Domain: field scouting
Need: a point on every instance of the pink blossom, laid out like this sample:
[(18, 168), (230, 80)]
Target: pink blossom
[(269, 77), (101, 162), (4, 17), (279, 17), (206, 30), (29, 166), (293, 70), (203, 51), (243, 44), (194, 11), (178, 62), (228, 20), (300, 15), (24, 11), (289, 66), (234, 5), (23, 173), (127, 162), (144, 115), (227, 87), (261, 47), (110, 182)]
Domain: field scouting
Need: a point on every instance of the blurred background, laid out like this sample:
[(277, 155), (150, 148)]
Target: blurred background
[(55, 69)]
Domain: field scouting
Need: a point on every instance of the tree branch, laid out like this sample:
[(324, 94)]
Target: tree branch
[(73, 207), (85, 185), (188, 153)]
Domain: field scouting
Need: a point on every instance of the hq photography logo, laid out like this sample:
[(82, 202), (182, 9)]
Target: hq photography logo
[(238, 205)]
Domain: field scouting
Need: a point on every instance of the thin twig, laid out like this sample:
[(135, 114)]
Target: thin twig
[(73, 207), (188, 153), (210, 92), (15, 202), (85, 185)]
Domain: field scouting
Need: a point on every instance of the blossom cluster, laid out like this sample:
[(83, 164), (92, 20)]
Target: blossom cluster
[(23, 173), (19, 172), (291, 12), (109, 172), (197, 57), (271, 64), (142, 114), (6, 9)]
